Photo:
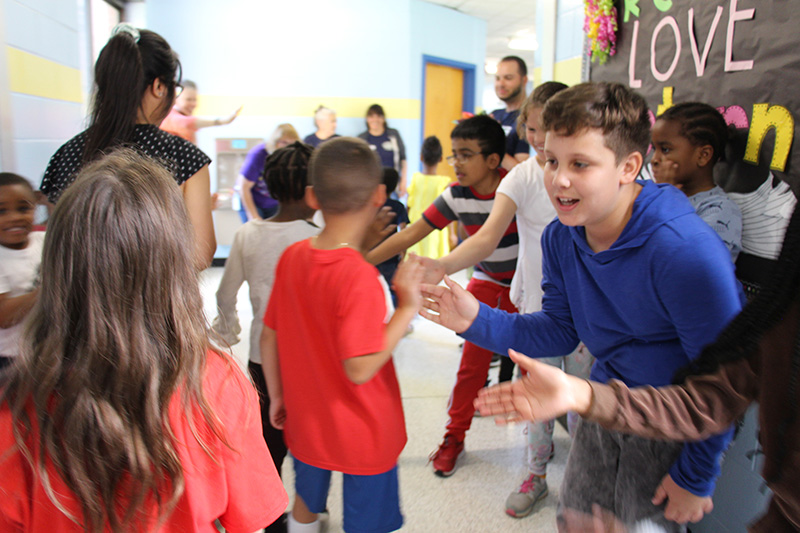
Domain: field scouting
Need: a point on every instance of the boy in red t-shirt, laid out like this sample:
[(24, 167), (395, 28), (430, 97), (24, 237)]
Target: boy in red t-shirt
[(326, 349)]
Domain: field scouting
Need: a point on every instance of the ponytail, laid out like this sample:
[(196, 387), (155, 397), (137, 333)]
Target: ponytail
[(128, 64)]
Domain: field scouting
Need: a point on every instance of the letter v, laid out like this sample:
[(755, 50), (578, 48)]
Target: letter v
[(700, 63)]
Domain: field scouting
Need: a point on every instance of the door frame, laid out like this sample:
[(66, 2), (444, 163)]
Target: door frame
[(468, 90)]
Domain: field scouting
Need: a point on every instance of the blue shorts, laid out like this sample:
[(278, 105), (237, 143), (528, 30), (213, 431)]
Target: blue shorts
[(371, 503)]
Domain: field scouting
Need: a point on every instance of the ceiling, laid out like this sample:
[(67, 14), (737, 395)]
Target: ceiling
[(504, 19)]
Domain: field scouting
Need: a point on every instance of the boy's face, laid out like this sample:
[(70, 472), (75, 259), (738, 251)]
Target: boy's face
[(471, 166), (17, 204), (534, 133), (584, 181)]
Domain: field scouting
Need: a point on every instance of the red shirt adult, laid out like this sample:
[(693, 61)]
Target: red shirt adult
[(239, 486), (327, 306)]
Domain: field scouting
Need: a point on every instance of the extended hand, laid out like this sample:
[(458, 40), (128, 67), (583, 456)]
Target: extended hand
[(544, 393), (406, 282), (451, 306), (380, 228), (277, 413), (682, 505), (434, 271)]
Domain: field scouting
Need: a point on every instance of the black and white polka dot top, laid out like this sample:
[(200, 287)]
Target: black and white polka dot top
[(179, 156)]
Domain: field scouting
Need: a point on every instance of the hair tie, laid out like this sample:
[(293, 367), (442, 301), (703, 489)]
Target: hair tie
[(124, 27)]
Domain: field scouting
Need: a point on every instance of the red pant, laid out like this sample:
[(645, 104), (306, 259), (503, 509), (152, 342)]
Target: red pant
[(474, 362)]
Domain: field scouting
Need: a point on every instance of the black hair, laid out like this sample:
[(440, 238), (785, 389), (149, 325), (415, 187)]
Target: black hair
[(390, 179), (484, 129), (743, 334), (701, 124), (523, 68), (9, 178), (431, 151), (376, 109), (125, 68), (344, 173), (286, 172)]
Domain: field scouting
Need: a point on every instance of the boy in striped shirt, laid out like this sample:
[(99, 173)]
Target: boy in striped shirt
[(478, 148)]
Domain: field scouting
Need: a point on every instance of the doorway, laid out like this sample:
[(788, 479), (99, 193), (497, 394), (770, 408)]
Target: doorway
[(448, 89)]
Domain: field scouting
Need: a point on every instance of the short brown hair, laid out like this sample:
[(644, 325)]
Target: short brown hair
[(620, 113), (344, 173), (537, 98)]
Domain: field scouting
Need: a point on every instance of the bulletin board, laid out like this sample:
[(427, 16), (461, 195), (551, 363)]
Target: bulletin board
[(742, 57)]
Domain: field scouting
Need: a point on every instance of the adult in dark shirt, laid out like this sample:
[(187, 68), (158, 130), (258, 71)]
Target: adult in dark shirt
[(387, 143), (509, 85), (325, 120)]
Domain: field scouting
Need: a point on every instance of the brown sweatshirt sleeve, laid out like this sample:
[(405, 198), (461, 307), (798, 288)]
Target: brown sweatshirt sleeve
[(703, 406)]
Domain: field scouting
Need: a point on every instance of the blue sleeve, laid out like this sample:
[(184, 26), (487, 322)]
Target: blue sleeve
[(698, 321), (520, 146), (546, 333)]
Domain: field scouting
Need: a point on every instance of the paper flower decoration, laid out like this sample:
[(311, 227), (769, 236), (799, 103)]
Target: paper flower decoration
[(600, 26)]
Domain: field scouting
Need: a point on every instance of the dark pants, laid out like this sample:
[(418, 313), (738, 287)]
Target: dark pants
[(272, 436), (618, 472)]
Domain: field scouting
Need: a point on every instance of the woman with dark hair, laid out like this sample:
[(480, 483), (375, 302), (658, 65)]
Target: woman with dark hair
[(755, 359), (387, 143), (136, 76), (118, 415)]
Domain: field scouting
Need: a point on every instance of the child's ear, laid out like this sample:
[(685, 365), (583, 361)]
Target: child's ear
[(493, 161), (379, 196), (311, 198), (704, 155), (630, 167)]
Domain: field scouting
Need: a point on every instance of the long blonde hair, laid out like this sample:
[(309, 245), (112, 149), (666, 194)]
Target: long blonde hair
[(117, 332)]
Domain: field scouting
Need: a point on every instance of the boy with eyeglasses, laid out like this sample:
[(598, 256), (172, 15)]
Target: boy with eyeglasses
[(478, 148)]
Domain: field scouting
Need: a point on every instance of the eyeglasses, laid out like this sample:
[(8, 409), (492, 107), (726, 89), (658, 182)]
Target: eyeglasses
[(462, 157), (178, 89)]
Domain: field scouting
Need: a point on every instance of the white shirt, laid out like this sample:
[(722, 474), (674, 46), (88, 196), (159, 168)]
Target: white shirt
[(19, 271), (257, 247), (524, 185)]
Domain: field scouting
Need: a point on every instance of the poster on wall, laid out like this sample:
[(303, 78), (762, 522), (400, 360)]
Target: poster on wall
[(742, 57)]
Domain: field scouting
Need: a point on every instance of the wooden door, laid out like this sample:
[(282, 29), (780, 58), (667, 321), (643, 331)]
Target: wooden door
[(444, 95)]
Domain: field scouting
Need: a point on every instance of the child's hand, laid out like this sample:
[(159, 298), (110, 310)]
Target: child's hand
[(667, 172), (682, 505), (406, 283), (451, 306), (277, 413), (434, 271), (380, 228)]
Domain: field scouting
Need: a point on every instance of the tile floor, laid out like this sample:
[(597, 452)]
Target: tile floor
[(472, 500)]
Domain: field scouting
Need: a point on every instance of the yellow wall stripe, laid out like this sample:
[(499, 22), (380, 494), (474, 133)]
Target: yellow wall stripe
[(395, 108), (36, 76), (568, 71)]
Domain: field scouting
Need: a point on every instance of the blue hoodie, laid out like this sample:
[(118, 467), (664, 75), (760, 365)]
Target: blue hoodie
[(644, 308)]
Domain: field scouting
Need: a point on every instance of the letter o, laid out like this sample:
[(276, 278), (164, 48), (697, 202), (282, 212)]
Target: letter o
[(666, 21)]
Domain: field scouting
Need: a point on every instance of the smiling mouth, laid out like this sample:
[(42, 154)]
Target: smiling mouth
[(567, 201)]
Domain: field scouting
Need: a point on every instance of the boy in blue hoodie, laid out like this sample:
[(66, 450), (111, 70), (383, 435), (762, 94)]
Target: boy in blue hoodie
[(631, 270)]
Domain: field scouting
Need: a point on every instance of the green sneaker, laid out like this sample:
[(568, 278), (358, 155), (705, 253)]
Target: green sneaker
[(522, 501)]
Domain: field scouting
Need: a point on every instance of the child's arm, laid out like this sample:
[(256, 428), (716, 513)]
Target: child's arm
[(478, 247), (406, 285), (226, 324), (399, 242), (14, 308), (270, 365)]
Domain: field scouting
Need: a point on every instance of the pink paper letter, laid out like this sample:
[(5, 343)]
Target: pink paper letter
[(666, 21), (735, 16), (700, 62), (632, 81)]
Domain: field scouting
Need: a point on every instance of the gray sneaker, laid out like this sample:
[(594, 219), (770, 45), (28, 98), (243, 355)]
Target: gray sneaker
[(522, 501)]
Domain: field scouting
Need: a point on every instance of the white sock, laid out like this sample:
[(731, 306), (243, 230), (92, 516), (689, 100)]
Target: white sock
[(293, 526)]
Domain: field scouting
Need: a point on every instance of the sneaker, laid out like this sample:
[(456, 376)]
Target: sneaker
[(521, 502), (444, 458)]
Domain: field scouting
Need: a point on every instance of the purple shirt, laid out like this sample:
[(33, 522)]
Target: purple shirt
[(252, 169)]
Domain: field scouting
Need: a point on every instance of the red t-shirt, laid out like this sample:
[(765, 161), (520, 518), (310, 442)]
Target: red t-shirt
[(184, 126), (241, 489), (327, 306)]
